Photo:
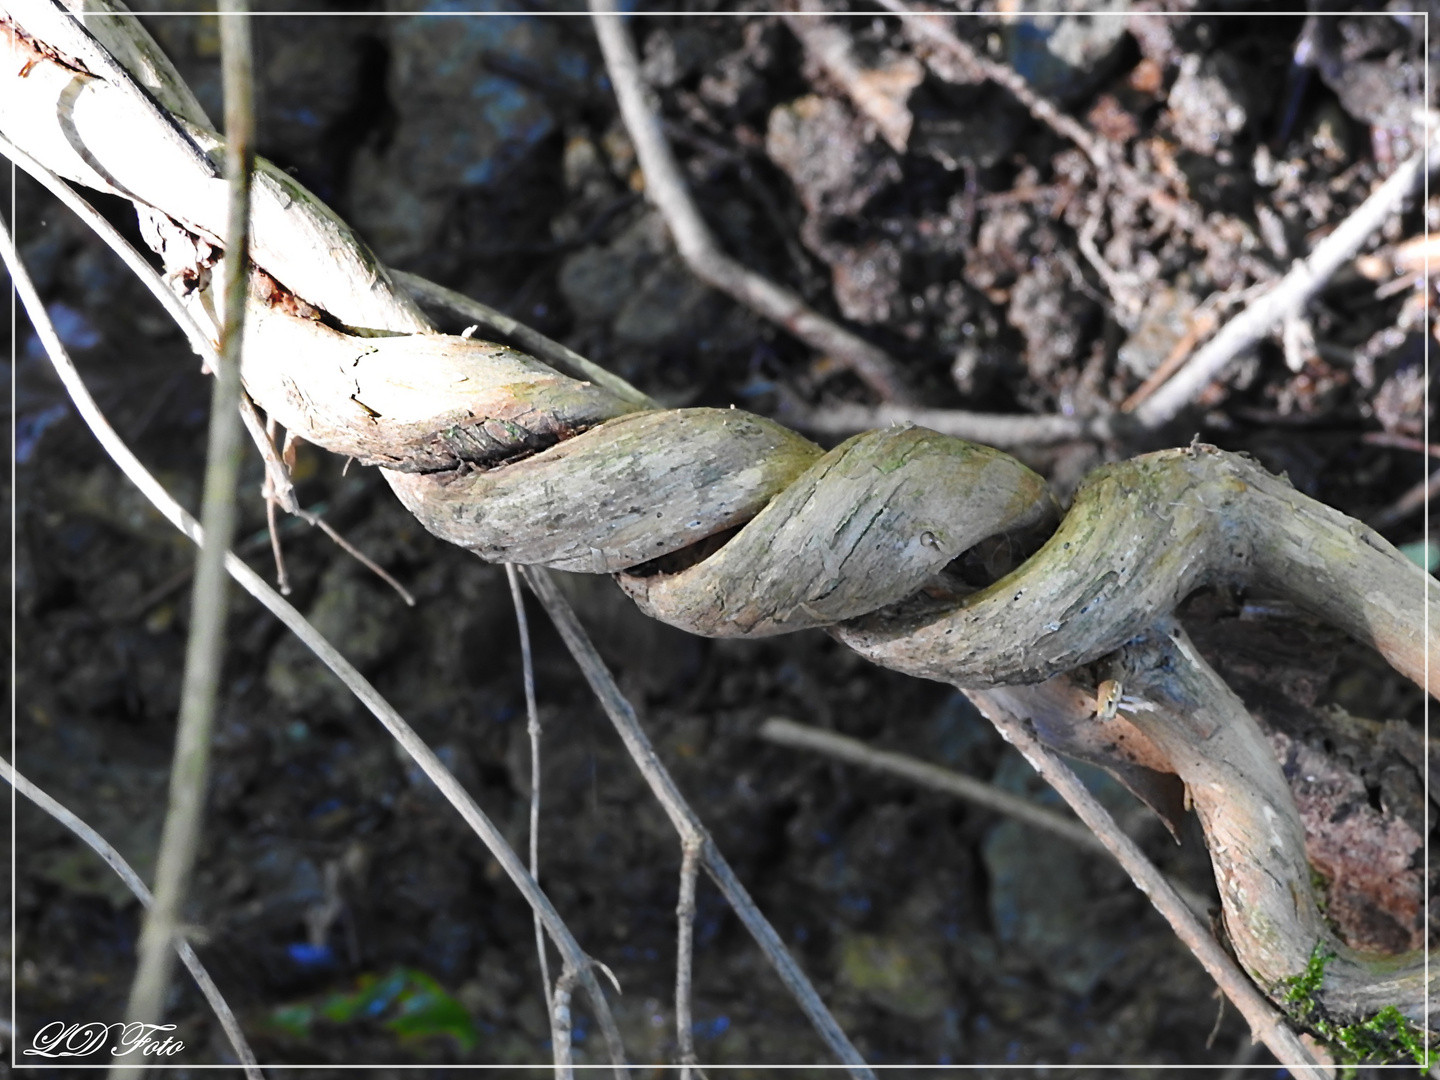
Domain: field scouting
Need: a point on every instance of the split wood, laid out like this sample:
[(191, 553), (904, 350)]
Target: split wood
[(500, 453)]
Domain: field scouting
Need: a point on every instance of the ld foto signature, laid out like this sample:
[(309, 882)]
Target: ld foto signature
[(61, 1040)]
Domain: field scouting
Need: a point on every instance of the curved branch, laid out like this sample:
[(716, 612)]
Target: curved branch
[(116, 862), (603, 488), (1254, 832)]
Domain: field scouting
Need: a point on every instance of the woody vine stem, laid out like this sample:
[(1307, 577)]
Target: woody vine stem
[(511, 457)]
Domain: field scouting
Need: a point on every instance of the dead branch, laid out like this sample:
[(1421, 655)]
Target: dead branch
[(785, 732), (532, 729), (665, 187), (1011, 711), (685, 954), (632, 487), (209, 603), (252, 583), (992, 429), (116, 861), (687, 823), (1284, 299)]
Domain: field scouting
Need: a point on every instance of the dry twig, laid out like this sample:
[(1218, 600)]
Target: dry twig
[(116, 861), (383, 711), (685, 954), (991, 429), (1007, 711), (665, 187), (532, 729), (686, 822), (1286, 298), (949, 782), (189, 777)]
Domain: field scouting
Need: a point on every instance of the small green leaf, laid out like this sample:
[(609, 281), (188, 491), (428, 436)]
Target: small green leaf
[(426, 1009), (294, 1020)]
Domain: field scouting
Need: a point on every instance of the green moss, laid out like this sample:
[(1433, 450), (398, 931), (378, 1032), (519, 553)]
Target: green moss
[(1383, 1039)]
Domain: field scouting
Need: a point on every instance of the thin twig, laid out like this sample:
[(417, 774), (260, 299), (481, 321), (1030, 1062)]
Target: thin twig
[(1201, 323), (560, 1023), (526, 337), (129, 255), (879, 93), (1285, 298), (204, 653), (278, 487), (1265, 1021), (356, 554), (685, 955), (283, 610), (1125, 290), (926, 25), (686, 822), (1422, 494), (116, 861), (1400, 442), (786, 732), (665, 187), (992, 429), (278, 484), (532, 728)]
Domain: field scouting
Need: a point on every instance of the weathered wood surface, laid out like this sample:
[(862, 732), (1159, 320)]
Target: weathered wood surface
[(495, 451)]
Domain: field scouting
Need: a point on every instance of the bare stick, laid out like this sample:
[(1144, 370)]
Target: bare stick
[(532, 727), (665, 187), (256, 586), (685, 955), (138, 264), (1422, 494), (560, 1023), (278, 485), (189, 776), (785, 732), (880, 94), (528, 338), (686, 822), (804, 737), (991, 429), (116, 861), (1265, 1021), (1400, 442), (926, 25), (1285, 298), (356, 554)]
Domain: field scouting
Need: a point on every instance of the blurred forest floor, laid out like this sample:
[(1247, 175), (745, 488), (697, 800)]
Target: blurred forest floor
[(337, 889)]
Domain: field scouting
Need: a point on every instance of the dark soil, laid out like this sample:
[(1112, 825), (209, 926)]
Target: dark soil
[(487, 154)]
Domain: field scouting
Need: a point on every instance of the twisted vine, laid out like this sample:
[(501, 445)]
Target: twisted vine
[(727, 524)]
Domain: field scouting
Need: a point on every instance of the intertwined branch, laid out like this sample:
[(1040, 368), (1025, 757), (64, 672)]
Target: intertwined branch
[(501, 453)]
